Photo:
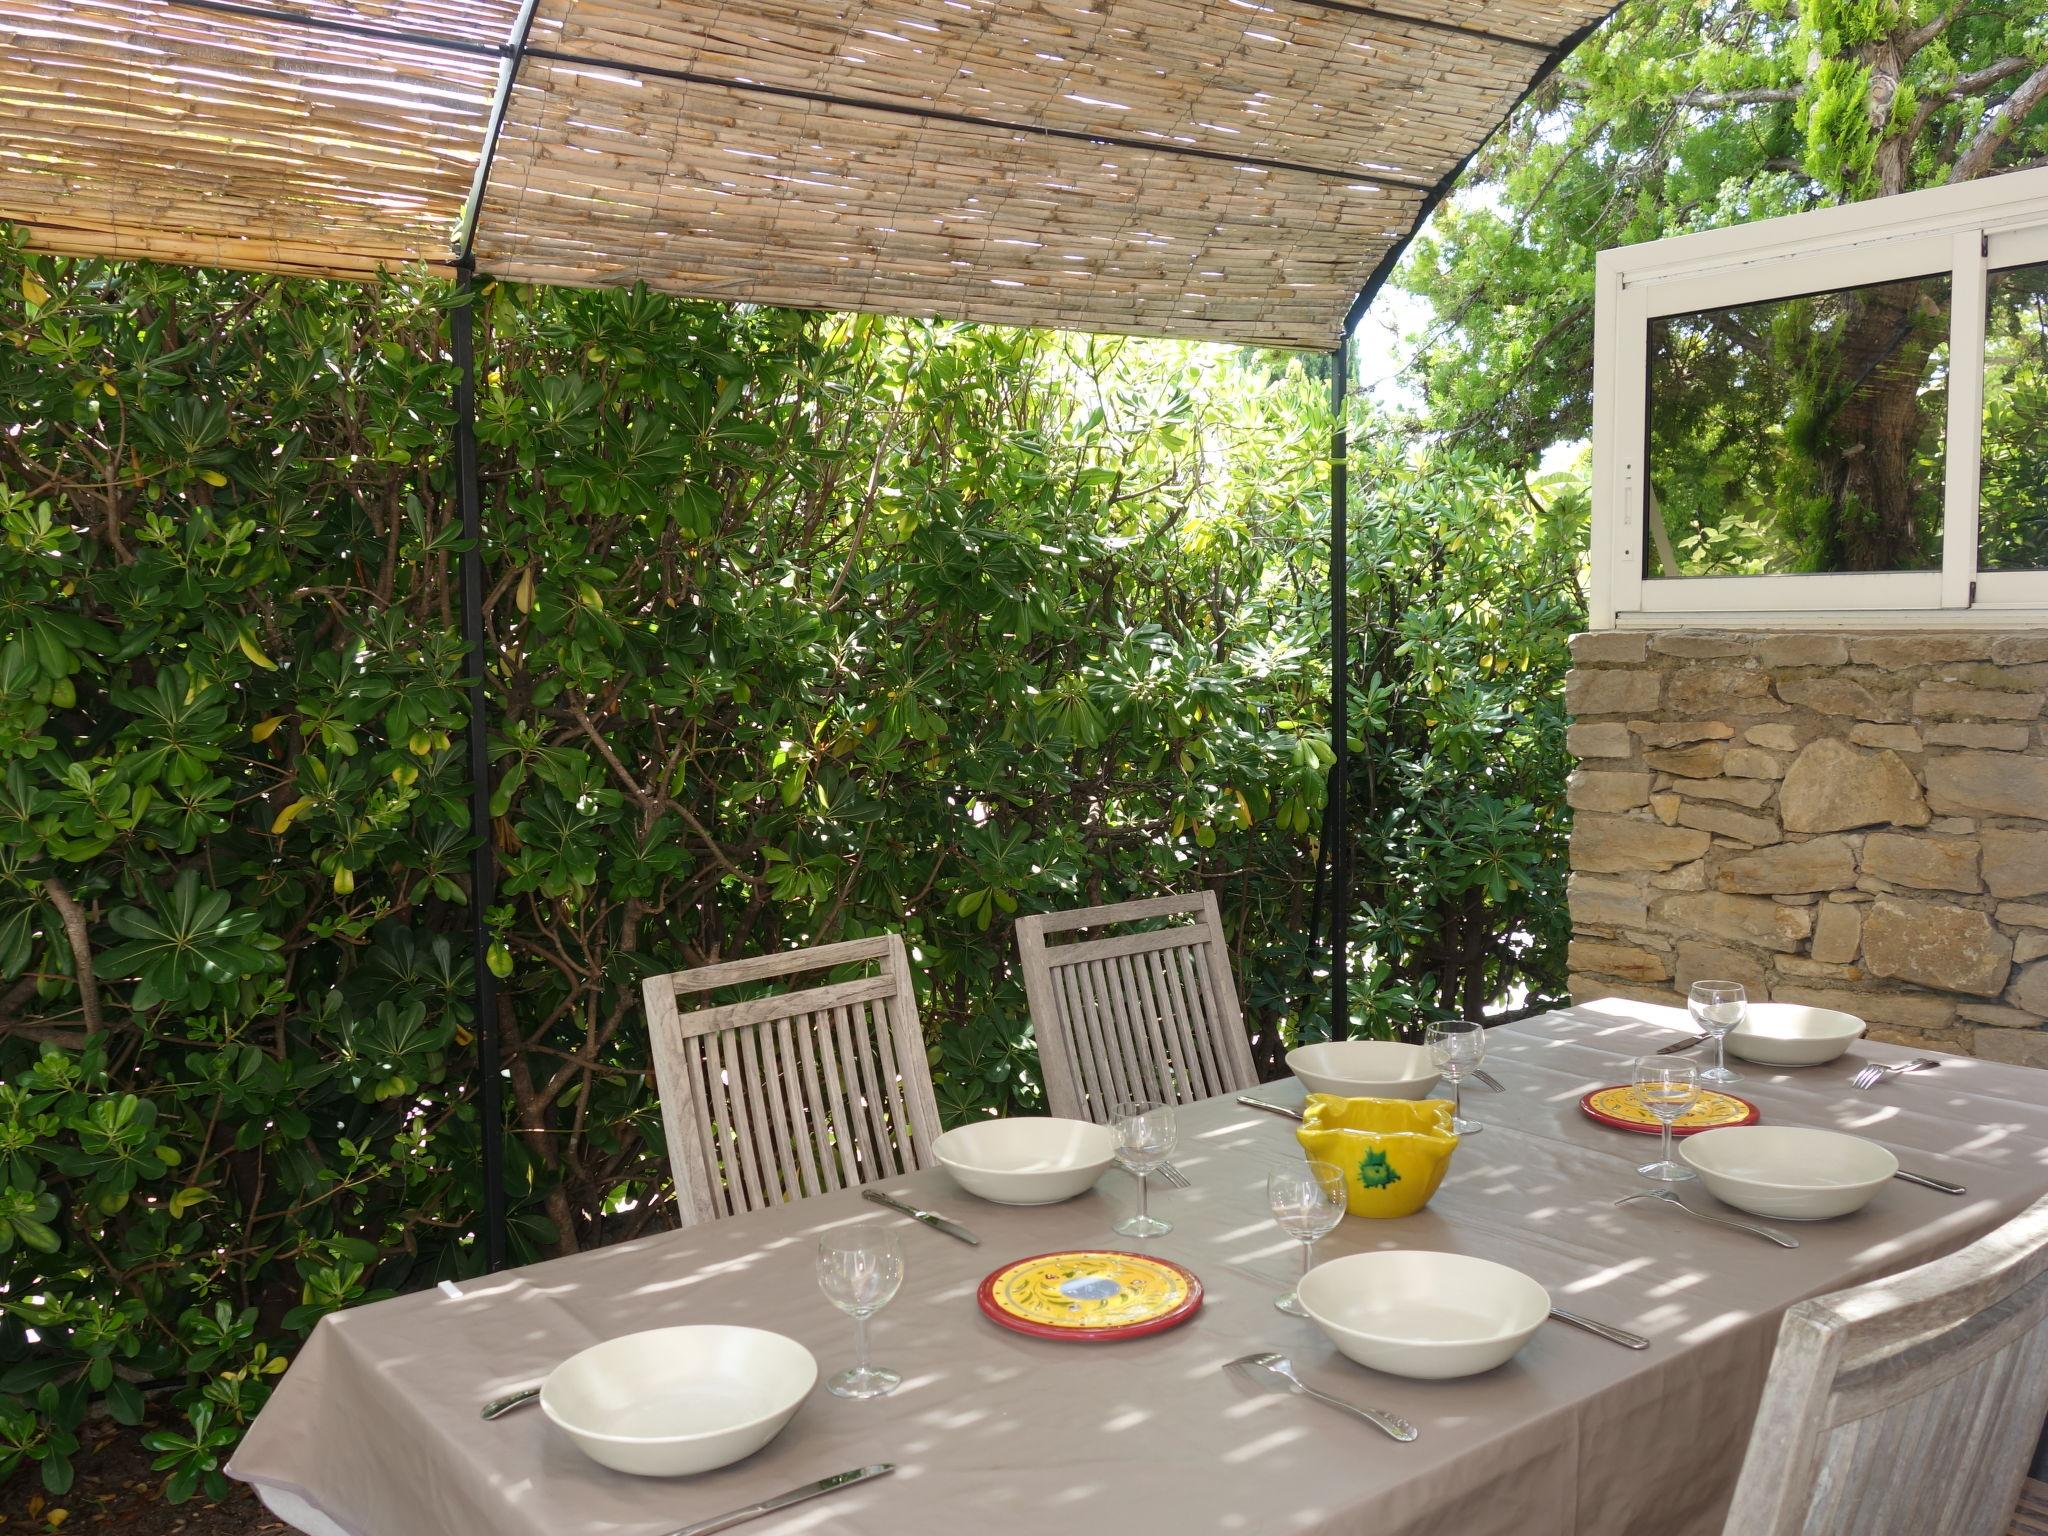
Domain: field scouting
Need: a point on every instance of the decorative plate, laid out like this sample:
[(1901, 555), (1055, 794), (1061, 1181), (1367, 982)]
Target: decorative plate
[(1090, 1294), (1618, 1107)]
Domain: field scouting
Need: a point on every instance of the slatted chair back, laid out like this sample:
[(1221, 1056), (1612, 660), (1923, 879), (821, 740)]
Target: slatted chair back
[(1149, 1013), (794, 1093), (1907, 1406)]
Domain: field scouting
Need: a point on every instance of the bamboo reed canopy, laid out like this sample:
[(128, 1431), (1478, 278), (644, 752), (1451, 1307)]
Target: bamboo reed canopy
[(1226, 169)]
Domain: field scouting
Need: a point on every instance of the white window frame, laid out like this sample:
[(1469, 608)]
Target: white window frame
[(1964, 232)]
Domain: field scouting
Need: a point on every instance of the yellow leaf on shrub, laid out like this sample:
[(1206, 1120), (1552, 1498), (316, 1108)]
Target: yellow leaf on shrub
[(288, 815), (213, 477), (523, 596), (263, 730), (33, 291), (185, 1199), (254, 652), (344, 880), (1244, 810)]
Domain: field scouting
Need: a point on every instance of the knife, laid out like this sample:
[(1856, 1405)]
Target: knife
[(1272, 1109), (1619, 1336), (931, 1219), (735, 1517), (1483, 1076), (1683, 1045), (1941, 1184)]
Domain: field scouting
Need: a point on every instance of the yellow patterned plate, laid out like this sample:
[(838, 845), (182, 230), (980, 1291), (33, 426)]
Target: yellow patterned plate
[(1090, 1294), (1618, 1107)]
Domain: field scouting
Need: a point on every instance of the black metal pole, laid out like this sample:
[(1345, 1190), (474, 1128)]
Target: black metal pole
[(1336, 831), (490, 1097)]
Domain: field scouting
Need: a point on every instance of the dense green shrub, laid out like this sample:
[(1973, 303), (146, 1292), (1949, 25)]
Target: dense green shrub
[(800, 628)]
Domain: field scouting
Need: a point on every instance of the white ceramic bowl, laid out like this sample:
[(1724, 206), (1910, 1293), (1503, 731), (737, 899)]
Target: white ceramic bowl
[(1792, 1035), (1026, 1161), (1428, 1315), (672, 1401), (1365, 1069), (1792, 1172)]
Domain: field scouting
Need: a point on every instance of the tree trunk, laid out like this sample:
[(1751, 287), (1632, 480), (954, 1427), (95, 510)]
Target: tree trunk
[(1869, 435)]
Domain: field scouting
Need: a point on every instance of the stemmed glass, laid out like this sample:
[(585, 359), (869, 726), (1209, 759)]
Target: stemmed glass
[(859, 1269), (1717, 1007), (1145, 1137), (1667, 1087), (1457, 1047), (1308, 1201)]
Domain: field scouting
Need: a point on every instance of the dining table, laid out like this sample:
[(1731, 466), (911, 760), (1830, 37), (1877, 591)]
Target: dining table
[(375, 1430)]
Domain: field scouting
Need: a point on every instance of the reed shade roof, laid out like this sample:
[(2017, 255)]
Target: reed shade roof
[(150, 128), (1229, 169)]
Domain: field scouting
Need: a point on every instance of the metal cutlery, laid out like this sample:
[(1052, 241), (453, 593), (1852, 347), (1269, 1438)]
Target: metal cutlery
[(823, 1485), (1483, 1076), (1281, 1110), (1941, 1184), (1172, 1175), (1872, 1075), (1266, 1364), (1687, 1044), (1668, 1197), (498, 1407), (931, 1219), (1619, 1336)]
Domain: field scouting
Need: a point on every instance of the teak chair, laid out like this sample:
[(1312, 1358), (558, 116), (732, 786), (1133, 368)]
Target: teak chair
[(796, 1093), (1908, 1406), (1148, 1014)]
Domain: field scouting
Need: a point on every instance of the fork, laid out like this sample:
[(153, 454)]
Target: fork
[(1267, 1363), (1172, 1175), (1872, 1075), (1668, 1197)]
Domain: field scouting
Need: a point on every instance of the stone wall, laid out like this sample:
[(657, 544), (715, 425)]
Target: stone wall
[(1854, 820)]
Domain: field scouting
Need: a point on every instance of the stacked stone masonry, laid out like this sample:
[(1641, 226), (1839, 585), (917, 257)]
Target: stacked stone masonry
[(1858, 821)]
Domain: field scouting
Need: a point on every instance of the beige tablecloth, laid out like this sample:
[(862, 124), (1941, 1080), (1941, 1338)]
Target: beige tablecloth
[(375, 1426)]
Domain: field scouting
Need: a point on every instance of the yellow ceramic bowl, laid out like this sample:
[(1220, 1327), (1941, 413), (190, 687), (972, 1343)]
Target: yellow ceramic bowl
[(1394, 1152)]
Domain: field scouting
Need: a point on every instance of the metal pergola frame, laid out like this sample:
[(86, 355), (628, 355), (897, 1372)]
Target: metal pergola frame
[(1333, 852), (1333, 870)]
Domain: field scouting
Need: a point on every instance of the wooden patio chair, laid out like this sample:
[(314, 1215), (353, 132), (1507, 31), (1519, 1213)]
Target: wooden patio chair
[(795, 1093), (1908, 1406), (1146, 1014)]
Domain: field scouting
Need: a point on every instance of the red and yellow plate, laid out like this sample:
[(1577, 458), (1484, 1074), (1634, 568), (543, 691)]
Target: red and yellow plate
[(1618, 1107), (1090, 1294)]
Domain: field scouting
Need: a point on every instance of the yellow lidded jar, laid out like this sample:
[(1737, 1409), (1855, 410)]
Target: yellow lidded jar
[(1394, 1152)]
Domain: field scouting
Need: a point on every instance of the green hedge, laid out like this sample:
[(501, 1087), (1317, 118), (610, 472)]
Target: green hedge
[(800, 628)]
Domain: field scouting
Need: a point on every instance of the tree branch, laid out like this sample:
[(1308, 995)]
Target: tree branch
[(1990, 74), (1976, 159), (81, 952), (1757, 97), (1912, 42)]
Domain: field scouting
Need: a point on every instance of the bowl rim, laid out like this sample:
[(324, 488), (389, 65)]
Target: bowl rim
[(1808, 1133), (1420, 1056), (570, 1427), (1839, 1033), (1506, 1331), (949, 1159)]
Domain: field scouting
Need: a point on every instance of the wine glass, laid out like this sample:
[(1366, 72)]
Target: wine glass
[(1717, 1007), (1145, 1137), (1457, 1046), (1667, 1087), (1307, 1201), (859, 1269)]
